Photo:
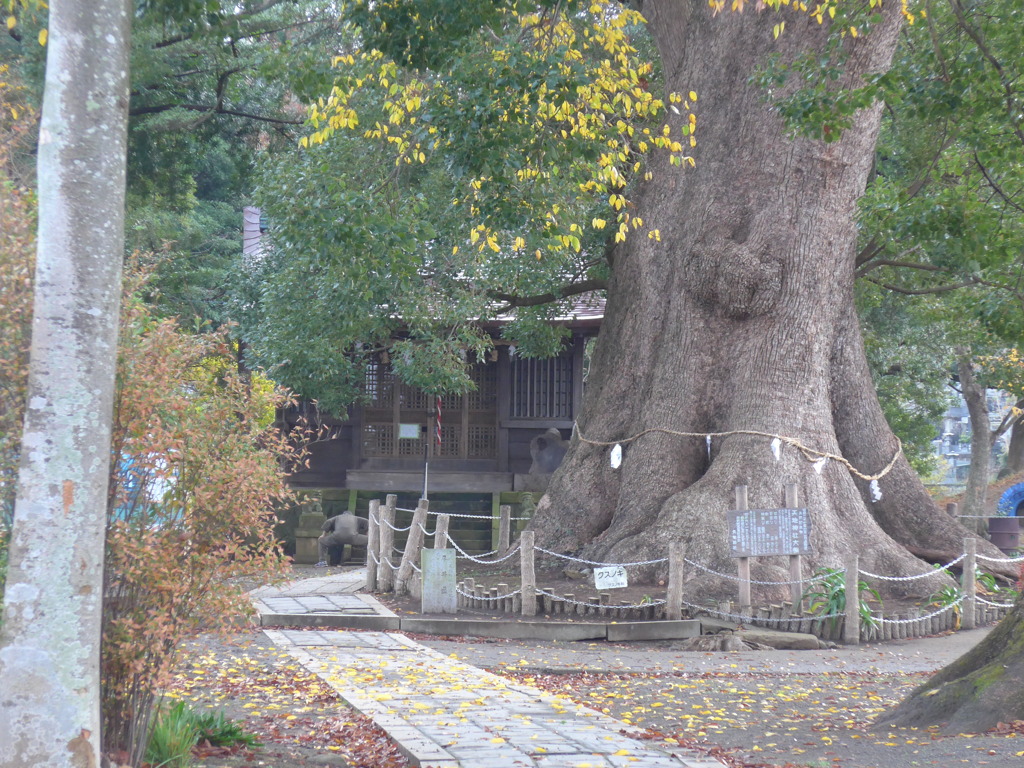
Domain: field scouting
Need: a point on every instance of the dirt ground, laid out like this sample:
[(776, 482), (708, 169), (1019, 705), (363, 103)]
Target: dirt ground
[(771, 708)]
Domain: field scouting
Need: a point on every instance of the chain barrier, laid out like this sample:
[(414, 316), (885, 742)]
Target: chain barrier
[(983, 601), (596, 605), (459, 515), (937, 572), (732, 577), (396, 528), (939, 612), (594, 562), (1001, 559), (467, 556), (751, 619), (485, 597)]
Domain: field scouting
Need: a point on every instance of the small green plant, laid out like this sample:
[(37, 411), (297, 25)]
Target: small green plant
[(219, 731), (177, 729), (991, 586), (171, 738), (827, 595)]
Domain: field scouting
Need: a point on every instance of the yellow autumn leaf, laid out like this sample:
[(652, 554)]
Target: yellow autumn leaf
[(11, 22), (497, 740), (42, 37)]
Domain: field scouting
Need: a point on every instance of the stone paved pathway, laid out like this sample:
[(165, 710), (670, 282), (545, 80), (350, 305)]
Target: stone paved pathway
[(446, 714)]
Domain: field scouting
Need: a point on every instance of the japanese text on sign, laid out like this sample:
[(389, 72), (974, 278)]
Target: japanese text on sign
[(768, 532), (612, 577)]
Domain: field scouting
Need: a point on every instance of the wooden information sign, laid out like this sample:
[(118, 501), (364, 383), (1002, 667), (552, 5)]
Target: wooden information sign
[(770, 532)]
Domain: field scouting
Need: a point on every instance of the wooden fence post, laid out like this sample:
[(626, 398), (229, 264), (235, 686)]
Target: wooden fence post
[(851, 627), (676, 573), (441, 531), (386, 572), (372, 545), (968, 583), (527, 575), (743, 563), (953, 509), (504, 526), (796, 591), (413, 544)]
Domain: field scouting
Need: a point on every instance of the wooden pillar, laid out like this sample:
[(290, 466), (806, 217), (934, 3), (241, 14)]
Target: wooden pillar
[(413, 545), (386, 571), (743, 563), (373, 545), (851, 630), (504, 527), (968, 582), (796, 591), (953, 509), (527, 575), (441, 531), (676, 574)]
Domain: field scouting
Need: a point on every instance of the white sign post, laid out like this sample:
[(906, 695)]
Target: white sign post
[(611, 577)]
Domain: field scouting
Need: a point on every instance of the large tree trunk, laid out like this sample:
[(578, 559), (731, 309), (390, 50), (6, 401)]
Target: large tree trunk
[(741, 319), (977, 691), (49, 658)]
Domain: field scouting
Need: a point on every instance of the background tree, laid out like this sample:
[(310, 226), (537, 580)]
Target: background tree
[(49, 656), (730, 318)]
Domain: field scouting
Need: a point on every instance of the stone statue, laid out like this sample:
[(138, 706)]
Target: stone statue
[(547, 451), (338, 531)]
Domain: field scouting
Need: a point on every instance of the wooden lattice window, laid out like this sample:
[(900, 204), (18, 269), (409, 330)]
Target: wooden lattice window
[(378, 439), (379, 385), (468, 422), (482, 441), (542, 389)]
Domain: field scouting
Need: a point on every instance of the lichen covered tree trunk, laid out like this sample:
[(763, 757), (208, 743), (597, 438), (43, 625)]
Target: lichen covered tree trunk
[(49, 658), (977, 691), (741, 319)]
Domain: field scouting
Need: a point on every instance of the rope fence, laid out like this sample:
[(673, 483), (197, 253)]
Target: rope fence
[(952, 607)]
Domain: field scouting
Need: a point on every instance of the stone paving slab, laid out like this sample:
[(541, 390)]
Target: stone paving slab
[(447, 714)]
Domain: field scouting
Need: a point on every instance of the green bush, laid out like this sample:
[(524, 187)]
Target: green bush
[(171, 738), (177, 729), (827, 595)]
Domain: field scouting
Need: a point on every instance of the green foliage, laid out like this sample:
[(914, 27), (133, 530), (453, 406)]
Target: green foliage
[(827, 596), (171, 737), (428, 203), (219, 731), (176, 729), (910, 356)]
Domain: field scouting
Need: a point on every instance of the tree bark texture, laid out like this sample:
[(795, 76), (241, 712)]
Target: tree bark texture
[(741, 318), (980, 470), (977, 691), (49, 656)]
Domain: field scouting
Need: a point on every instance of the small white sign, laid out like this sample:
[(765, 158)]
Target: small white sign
[(610, 577), (408, 431), (616, 456)]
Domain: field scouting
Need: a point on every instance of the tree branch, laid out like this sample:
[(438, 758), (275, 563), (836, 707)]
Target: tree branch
[(573, 289), (991, 182), (921, 291), (256, 11), (212, 109)]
